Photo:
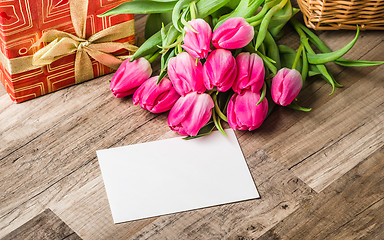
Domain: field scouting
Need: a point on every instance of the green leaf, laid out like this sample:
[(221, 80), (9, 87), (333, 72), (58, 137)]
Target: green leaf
[(272, 50), (268, 63), (357, 63), (322, 58), (260, 15), (321, 67), (241, 7), (313, 70), (233, 4), (280, 19), (313, 73), (294, 106), (155, 21), (153, 24), (140, 7), (315, 40), (284, 49), (166, 17), (172, 35), (207, 7), (176, 13), (164, 64), (287, 56), (204, 131), (150, 46), (265, 22)]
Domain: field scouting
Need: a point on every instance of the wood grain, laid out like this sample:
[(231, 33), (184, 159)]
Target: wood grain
[(282, 194), (361, 191), (302, 163), (47, 226)]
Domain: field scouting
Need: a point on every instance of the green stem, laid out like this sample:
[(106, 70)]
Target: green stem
[(297, 57), (245, 9), (217, 109), (320, 67), (263, 94), (179, 41), (266, 20), (255, 23), (192, 8), (154, 57), (179, 49), (268, 62), (263, 11), (218, 124), (304, 71)]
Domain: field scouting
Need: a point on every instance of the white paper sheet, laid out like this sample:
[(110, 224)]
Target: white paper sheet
[(175, 175)]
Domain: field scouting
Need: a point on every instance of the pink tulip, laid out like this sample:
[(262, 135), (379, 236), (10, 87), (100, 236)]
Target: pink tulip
[(286, 85), (220, 70), (243, 113), (250, 72), (156, 98), (198, 43), (129, 77), (233, 33), (185, 75), (190, 113)]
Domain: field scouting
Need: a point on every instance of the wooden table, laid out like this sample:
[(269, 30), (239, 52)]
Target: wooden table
[(320, 174)]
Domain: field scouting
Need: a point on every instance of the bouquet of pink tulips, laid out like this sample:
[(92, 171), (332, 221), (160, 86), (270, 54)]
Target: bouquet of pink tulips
[(220, 62)]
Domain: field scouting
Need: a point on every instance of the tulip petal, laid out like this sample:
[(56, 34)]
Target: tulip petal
[(286, 85), (156, 98), (233, 34), (190, 113), (198, 44), (220, 70), (185, 75), (130, 76), (244, 113)]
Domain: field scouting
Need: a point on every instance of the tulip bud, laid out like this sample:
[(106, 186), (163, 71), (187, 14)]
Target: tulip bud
[(198, 43), (244, 113), (156, 98), (233, 33), (190, 113), (129, 76), (220, 70), (185, 74), (286, 85), (250, 72)]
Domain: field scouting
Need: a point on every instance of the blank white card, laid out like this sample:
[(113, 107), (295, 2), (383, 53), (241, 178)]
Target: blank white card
[(175, 175)]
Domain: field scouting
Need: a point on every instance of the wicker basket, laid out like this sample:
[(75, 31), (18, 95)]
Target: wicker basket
[(339, 14)]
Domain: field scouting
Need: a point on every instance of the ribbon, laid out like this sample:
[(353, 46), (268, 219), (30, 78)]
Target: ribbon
[(98, 46)]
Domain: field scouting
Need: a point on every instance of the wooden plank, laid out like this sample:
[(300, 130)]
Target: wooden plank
[(48, 156), (350, 118), (51, 144), (368, 224), (281, 193), (46, 225), (67, 148), (351, 208)]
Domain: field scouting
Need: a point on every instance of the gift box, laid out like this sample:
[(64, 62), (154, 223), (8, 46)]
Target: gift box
[(47, 45)]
